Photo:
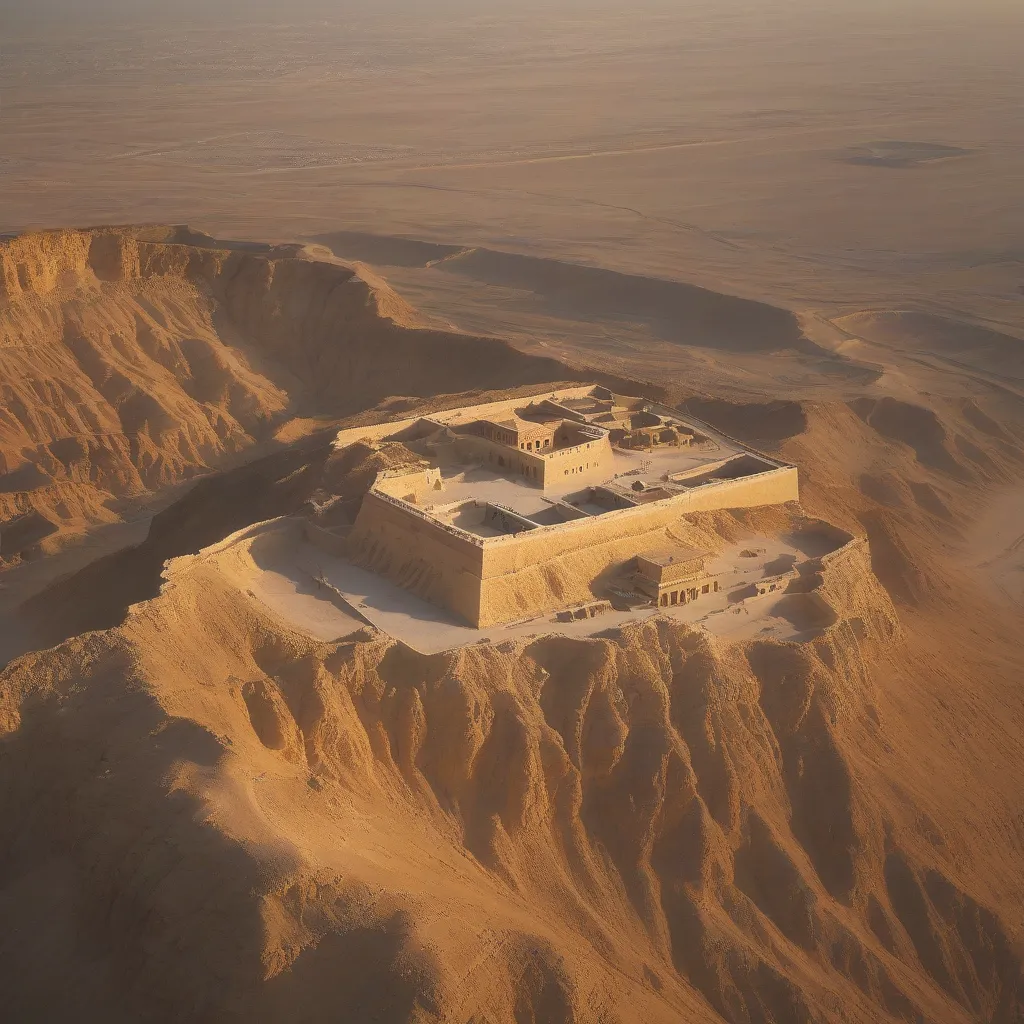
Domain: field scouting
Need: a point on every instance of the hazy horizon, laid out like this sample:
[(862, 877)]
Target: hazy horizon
[(313, 711), (766, 147)]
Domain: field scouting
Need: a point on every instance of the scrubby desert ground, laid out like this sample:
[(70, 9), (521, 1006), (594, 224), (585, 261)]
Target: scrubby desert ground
[(801, 224)]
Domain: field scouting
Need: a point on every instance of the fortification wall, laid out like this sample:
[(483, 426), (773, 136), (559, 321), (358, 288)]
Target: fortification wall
[(560, 579), (509, 554), (706, 467), (424, 556), (492, 580), (420, 485), (487, 410), (553, 567), (495, 579)]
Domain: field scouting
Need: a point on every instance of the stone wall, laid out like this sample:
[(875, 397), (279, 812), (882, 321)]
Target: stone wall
[(487, 410), (546, 469), (501, 458), (432, 560), (592, 458), (553, 567), (773, 487), (496, 579), (422, 486)]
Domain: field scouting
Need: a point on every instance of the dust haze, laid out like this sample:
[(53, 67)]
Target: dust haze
[(261, 261), (783, 149)]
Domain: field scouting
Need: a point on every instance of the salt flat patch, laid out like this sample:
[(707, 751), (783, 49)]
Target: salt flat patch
[(895, 153)]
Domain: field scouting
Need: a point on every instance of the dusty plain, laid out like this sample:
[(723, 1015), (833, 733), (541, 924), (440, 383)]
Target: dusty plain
[(226, 797)]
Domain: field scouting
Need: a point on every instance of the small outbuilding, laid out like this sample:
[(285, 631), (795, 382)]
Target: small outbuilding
[(674, 577)]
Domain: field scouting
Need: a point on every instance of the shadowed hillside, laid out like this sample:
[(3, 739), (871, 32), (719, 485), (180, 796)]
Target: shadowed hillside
[(676, 311)]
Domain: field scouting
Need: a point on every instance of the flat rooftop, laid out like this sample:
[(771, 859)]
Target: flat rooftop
[(463, 483), (671, 557)]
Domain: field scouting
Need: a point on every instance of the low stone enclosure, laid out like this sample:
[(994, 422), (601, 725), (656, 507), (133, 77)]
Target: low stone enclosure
[(531, 505)]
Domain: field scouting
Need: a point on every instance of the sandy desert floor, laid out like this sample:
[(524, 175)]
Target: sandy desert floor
[(816, 156)]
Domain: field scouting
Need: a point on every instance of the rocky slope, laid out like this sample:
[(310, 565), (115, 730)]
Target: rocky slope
[(221, 820), (131, 361)]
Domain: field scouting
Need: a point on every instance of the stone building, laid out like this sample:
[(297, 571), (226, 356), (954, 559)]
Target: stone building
[(674, 577), (525, 507)]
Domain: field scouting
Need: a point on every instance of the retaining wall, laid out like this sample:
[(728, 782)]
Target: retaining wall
[(433, 560)]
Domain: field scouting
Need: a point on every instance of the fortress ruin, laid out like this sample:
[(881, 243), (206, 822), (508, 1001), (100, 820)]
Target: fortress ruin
[(531, 506)]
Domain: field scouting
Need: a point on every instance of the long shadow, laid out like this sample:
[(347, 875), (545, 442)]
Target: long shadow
[(677, 312), (153, 908), (98, 596)]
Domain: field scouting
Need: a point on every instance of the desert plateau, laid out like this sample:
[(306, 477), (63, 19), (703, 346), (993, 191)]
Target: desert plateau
[(512, 513)]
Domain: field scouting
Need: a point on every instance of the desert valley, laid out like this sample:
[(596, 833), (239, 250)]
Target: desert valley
[(512, 515)]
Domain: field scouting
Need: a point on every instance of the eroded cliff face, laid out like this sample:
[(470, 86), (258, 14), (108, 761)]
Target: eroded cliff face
[(224, 820), (209, 817), (131, 364), (117, 379)]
